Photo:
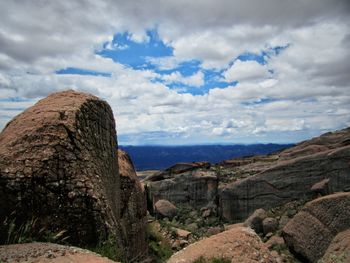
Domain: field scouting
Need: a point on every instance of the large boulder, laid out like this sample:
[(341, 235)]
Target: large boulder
[(311, 231), (165, 208), (48, 253), (133, 209), (58, 165), (239, 244)]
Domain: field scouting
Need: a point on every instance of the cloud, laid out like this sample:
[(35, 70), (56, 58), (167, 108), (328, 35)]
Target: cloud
[(299, 92), (246, 71), (195, 80)]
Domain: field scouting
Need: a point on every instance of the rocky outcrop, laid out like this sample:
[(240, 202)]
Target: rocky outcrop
[(321, 188), (133, 209), (270, 225), (339, 249), (291, 177), (48, 253), (196, 188), (312, 230), (238, 244), (325, 142), (58, 164), (178, 168), (255, 220)]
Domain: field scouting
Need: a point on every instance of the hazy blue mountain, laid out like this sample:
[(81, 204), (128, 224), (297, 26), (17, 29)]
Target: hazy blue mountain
[(160, 157)]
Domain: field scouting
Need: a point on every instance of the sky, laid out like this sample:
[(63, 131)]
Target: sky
[(185, 72)]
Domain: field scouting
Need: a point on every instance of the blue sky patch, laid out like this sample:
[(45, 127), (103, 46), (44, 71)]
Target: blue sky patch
[(134, 54)]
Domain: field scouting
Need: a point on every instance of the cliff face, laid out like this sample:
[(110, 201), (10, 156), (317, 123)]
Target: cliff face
[(191, 184), (133, 208), (290, 177)]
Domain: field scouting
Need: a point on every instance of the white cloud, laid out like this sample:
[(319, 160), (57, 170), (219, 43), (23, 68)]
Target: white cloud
[(246, 71), (308, 91), (195, 80)]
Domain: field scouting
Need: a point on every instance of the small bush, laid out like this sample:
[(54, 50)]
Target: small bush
[(212, 260), (29, 231), (159, 247), (108, 248)]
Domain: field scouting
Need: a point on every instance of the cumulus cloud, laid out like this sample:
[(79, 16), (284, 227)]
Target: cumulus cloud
[(302, 90), (246, 71), (195, 80)]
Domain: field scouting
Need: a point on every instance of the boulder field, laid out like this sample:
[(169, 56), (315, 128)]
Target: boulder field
[(59, 166)]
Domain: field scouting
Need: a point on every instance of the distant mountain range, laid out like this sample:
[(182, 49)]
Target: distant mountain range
[(161, 157)]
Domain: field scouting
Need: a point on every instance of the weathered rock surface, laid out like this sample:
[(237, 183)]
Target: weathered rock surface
[(48, 253), (255, 220), (196, 188), (270, 225), (321, 188), (311, 231), (290, 177), (239, 244), (275, 241), (178, 168), (58, 164), (165, 208), (339, 249), (133, 209)]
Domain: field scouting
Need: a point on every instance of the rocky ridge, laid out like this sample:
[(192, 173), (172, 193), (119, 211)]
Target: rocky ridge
[(240, 186)]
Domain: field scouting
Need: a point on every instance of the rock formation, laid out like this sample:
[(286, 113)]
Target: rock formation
[(48, 253), (237, 187), (255, 220), (193, 186), (58, 164), (339, 249), (133, 209), (239, 244), (290, 177), (164, 208), (312, 230)]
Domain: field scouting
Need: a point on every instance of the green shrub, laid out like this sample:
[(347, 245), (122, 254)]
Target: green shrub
[(159, 247), (108, 248), (212, 260), (29, 231)]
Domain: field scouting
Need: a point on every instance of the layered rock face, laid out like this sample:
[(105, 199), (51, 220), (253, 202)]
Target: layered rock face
[(195, 187), (133, 209), (58, 165), (290, 177), (312, 230)]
